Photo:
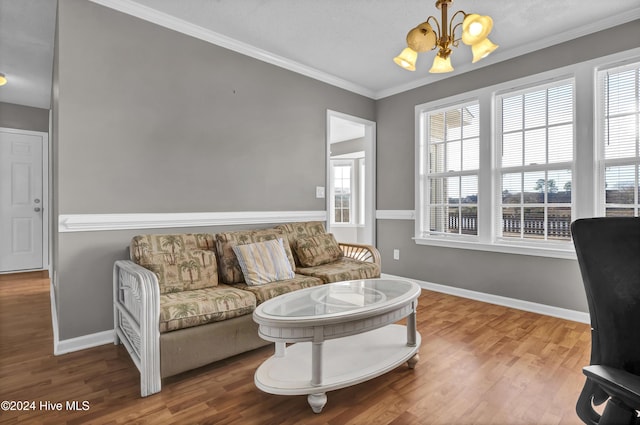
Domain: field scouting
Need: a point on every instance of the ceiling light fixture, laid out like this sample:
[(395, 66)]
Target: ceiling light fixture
[(3, 79), (475, 32)]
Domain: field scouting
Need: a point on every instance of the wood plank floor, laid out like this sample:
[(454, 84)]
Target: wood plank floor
[(479, 364)]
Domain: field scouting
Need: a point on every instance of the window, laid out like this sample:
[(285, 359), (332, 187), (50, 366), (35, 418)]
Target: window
[(506, 168), (451, 160), (619, 118), (535, 140), (342, 193)]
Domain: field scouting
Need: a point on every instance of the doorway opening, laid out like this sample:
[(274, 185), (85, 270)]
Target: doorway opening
[(351, 178)]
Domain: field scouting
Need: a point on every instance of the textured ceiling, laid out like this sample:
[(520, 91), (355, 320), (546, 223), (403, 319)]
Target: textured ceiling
[(347, 43), (356, 40), (27, 29)]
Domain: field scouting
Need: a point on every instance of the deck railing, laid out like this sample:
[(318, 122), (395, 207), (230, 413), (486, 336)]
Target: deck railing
[(558, 227)]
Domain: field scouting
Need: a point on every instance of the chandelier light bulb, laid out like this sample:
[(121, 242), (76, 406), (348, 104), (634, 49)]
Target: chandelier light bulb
[(475, 29)]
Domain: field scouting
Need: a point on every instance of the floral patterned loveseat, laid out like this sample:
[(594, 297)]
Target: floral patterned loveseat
[(186, 300)]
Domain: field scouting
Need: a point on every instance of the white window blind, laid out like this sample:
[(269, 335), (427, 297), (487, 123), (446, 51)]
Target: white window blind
[(535, 128), (450, 158), (619, 115)]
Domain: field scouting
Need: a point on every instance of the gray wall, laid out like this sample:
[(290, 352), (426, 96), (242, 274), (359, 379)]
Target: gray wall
[(24, 117), (548, 281), (150, 120)]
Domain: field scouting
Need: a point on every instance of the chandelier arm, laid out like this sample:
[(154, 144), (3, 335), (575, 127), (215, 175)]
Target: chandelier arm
[(455, 41), (437, 26), (452, 28)]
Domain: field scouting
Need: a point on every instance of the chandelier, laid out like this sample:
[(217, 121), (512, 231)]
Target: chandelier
[(475, 32)]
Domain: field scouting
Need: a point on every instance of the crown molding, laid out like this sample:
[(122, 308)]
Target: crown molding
[(167, 21), (196, 31), (103, 222)]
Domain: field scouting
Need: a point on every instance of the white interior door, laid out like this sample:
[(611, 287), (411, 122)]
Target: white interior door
[(21, 201)]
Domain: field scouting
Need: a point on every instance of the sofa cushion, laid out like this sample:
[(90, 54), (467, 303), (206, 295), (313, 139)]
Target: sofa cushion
[(344, 269), (263, 262), (192, 308), (273, 289), (180, 261), (304, 229), (230, 271), (316, 250), (143, 246)]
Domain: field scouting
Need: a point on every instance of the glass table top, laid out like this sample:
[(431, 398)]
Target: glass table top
[(339, 297)]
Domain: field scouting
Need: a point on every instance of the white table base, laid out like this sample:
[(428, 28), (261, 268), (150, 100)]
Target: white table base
[(345, 361)]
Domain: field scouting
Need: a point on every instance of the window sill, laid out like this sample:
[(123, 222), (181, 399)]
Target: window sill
[(564, 251)]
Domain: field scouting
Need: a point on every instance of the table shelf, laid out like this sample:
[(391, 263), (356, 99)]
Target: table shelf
[(346, 361)]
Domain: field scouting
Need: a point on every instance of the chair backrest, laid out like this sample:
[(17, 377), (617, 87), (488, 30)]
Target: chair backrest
[(608, 251)]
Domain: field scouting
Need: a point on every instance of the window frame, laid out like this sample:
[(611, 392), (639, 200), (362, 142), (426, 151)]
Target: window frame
[(425, 177), (343, 162), (499, 170), (599, 139), (586, 180)]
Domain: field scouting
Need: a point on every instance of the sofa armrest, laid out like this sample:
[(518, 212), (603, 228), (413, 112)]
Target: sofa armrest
[(136, 314), (360, 252)]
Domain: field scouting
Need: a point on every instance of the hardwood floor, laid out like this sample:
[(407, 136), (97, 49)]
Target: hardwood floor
[(479, 364)]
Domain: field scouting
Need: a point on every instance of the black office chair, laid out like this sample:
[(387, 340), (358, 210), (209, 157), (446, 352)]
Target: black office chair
[(608, 251)]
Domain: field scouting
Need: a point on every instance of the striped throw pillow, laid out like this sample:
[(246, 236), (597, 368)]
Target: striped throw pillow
[(264, 262)]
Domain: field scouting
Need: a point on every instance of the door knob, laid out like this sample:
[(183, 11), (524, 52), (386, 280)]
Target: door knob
[(37, 209)]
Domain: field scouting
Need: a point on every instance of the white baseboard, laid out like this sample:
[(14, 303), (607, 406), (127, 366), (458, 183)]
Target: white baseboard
[(74, 344), (547, 310), (54, 311)]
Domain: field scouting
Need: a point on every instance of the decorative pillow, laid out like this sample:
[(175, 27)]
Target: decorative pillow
[(264, 262), (229, 269), (184, 271), (298, 230), (317, 250)]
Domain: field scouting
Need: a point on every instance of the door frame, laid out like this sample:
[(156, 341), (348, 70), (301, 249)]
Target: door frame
[(370, 170), (46, 213)]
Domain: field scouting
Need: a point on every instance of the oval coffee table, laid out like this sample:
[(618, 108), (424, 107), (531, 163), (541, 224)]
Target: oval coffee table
[(343, 334)]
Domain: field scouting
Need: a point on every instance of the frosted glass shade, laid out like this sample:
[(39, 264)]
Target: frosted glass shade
[(476, 28), (407, 59), (421, 38), (482, 49), (3, 79), (441, 65)]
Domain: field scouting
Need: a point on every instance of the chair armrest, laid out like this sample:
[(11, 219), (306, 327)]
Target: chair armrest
[(136, 313), (360, 252), (617, 383)]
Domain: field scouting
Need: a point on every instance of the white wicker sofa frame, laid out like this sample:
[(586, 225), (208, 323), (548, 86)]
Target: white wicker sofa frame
[(136, 306)]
